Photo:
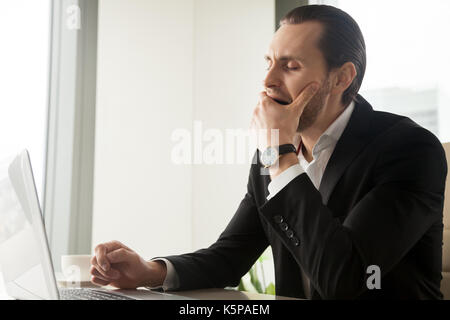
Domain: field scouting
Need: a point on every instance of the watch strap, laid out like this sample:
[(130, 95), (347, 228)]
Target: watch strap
[(286, 148)]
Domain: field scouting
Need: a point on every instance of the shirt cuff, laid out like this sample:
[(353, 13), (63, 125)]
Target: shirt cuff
[(282, 180), (171, 280)]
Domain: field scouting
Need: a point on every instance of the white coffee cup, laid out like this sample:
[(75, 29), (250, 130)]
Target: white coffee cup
[(76, 268)]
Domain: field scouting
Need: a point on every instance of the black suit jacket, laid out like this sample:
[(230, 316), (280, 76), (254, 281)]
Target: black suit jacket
[(380, 202)]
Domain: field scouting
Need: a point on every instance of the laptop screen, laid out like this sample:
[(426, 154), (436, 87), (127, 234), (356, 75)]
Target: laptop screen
[(24, 256)]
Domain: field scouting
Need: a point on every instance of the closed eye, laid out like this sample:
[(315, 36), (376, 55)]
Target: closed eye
[(287, 68)]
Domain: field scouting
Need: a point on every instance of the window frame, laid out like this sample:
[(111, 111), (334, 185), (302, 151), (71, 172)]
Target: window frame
[(70, 147)]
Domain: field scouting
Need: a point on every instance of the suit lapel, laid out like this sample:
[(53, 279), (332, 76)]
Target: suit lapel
[(353, 139)]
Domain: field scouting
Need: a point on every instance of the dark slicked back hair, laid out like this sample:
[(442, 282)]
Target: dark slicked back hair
[(341, 41)]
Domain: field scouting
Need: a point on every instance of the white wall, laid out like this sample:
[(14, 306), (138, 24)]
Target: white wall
[(162, 65), (231, 38), (144, 91)]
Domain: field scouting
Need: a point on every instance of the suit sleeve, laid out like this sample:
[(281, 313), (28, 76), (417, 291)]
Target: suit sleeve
[(230, 257), (406, 200)]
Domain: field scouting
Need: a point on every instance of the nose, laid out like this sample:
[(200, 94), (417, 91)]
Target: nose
[(272, 79)]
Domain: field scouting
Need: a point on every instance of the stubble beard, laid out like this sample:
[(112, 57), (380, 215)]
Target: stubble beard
[(314, 107)]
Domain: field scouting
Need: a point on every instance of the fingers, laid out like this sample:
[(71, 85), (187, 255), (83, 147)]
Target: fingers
[(304, 97), (263, 95), (99, 281), (252, 124), (95, 273), (100, 252), (120, 255), (255, 118), (96, 270), (102, 249), (97, 278)]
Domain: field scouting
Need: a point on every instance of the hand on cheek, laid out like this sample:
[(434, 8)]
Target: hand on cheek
[(275, 124)]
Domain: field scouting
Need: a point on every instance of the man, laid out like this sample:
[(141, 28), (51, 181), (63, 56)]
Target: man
[(355, 191)]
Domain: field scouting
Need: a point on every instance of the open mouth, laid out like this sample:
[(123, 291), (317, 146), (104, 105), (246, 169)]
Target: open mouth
[(281, 102)]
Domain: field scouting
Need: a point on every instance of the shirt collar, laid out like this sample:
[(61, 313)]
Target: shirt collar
[(335, 130)]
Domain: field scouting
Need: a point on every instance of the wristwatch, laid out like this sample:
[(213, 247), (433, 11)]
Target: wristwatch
[(271, 155)]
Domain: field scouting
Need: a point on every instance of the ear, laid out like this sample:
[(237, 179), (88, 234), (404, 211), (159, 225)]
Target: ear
[(344, 77)]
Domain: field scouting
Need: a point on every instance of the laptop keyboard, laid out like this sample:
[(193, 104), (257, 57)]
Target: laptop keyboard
[(90, 294)]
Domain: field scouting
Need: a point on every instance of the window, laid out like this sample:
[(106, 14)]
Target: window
[(407, 58), (24, 62)]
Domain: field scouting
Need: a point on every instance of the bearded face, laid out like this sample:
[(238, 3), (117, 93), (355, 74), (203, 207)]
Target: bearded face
[(314, 107)]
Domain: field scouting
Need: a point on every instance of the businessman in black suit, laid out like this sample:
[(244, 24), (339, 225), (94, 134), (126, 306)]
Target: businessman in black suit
[(351, 193)]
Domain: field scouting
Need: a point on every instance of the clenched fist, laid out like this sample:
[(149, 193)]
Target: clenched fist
[(117, 265)]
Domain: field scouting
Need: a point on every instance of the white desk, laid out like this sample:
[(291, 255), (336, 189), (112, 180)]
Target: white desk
[(204, 294), (225, 294)]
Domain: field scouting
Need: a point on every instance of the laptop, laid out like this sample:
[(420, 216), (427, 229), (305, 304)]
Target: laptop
[(25, 259)]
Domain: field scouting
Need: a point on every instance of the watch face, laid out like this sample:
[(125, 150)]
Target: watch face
[(269, 156)]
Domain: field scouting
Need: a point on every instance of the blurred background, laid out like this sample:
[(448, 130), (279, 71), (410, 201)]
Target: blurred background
[(94, 90)]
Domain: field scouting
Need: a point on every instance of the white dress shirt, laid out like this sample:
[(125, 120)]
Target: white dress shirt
[(321, 153), (171, 280)]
